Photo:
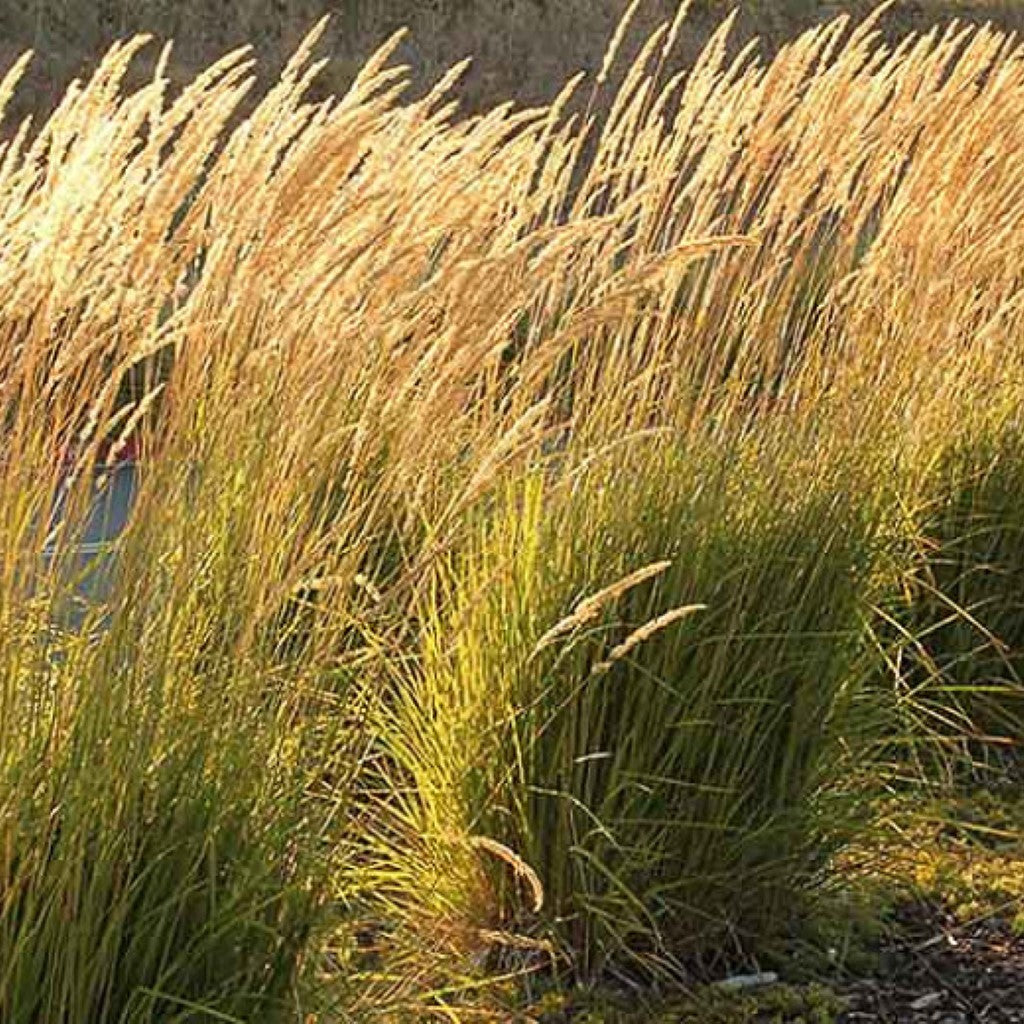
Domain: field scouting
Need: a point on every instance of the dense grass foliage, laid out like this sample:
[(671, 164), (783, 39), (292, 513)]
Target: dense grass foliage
[(546, 534), (661, 756), (956, 628)]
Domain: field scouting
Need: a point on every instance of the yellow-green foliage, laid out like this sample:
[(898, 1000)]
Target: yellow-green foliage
[(773, 1004), (656, 756), (966, 853)]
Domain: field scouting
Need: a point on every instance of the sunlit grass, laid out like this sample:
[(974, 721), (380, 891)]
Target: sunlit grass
[(546, 523)]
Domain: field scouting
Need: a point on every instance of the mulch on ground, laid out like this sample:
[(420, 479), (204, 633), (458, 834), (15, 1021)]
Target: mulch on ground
[(939, 970)]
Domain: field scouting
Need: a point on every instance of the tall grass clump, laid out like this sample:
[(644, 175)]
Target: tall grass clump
[(956, 628), (167, 768), (254, 305), (766, 346), (640, 680)]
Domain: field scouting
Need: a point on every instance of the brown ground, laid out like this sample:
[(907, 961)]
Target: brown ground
[(953, 952), (941, 971), (523, 49)]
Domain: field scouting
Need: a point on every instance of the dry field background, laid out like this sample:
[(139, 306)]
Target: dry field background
[(522, 49)]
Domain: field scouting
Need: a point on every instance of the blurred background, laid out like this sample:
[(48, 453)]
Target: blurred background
[(522, 49)]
